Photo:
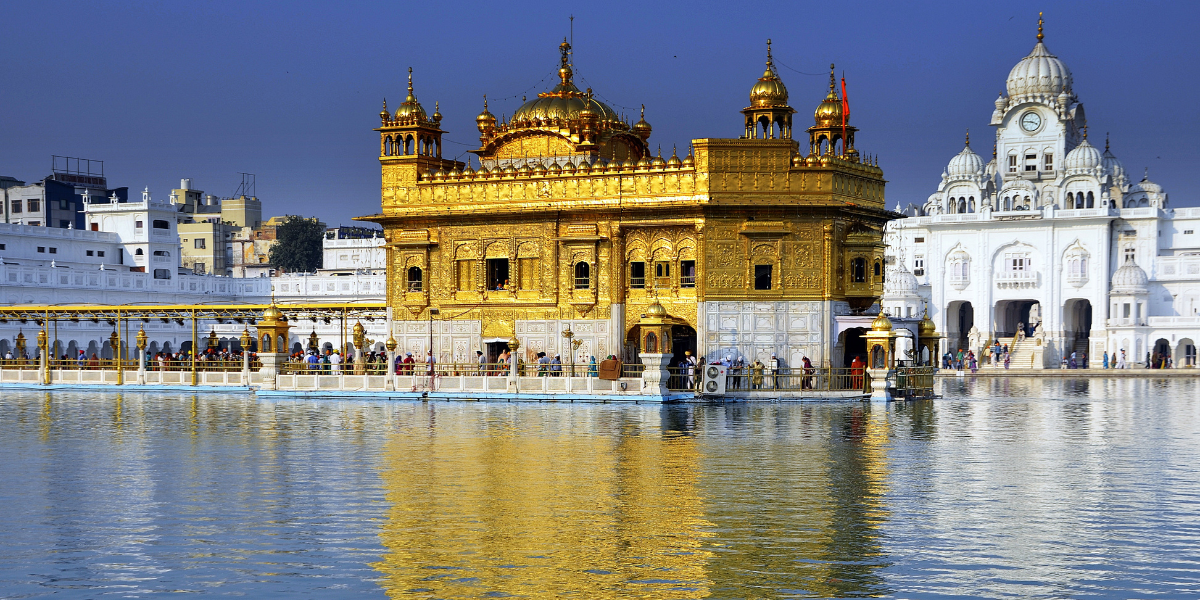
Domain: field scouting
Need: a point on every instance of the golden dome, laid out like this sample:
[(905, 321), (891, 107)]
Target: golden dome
[(674, 162), (881, 323), (656, 310), (485, 120), (272, 315), (569, 167), (926, 328), (410, 108), (769, 91), (642, 128), (829, 111), (565, 102)]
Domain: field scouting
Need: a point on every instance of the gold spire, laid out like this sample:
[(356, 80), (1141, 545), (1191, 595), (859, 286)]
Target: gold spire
[(832, 80), (1040, 35), (1085, 130), (1106, 141), (993, 150), (770, 62), (410, 94), (968, 137)]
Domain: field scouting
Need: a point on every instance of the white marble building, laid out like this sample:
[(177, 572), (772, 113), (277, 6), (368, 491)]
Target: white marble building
[(1050, 235)]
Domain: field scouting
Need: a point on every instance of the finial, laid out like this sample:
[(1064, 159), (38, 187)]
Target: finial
[(485, 102), (436, 107), (410, 81), (770, 63), (1040, 21), (1106, 141), (643, 111), (993, 150), (660, 150), (832, 79), (1146, 175), (968, 137), (522, 97), (1085, 130)]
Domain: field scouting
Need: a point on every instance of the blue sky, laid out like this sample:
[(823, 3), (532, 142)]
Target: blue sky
[(291, 90)]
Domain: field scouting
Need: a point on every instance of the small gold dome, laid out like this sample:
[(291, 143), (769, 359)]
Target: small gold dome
[(768, 91), (539, 169), (524, 169), (881, 323), (272, 315), (829, 111), (410, 108), (486, 120), (674, 162), (656, 310), (555, 169), (642, 129), (569, 168), (926, 328)]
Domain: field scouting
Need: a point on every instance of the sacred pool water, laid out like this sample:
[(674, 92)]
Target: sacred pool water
[(1020, 488)]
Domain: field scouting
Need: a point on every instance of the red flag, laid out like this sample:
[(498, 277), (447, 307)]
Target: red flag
[(845, 113)]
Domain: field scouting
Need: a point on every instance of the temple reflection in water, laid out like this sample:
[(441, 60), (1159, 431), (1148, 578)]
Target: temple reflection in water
[(546, 503)]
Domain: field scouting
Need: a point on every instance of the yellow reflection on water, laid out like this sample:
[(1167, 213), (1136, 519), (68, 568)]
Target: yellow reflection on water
[(543, 507)]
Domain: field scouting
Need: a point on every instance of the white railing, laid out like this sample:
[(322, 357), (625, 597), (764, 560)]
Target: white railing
[(252, 290), (1016, 279), (358, 287)]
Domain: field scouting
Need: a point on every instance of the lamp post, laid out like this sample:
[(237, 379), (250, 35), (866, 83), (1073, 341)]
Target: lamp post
[(570, 335), (45, 363), (360, 339), (513, 345), (245, 341), (390, 344), (114, 342), (432, 313), (141, 346)]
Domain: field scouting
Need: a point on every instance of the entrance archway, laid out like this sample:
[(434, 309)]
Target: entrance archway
[(1158, 356), (1013, 313), (1077, 327), (960, 318), (853, 344)]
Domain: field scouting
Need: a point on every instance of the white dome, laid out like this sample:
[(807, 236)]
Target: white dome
[(900, 283), (1145, 185), (1130, 279), (1039, 73), (1111, 165), (965, 164), (1084, 156)]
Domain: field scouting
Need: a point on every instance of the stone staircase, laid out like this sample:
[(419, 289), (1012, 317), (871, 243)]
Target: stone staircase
[(1022, 355)]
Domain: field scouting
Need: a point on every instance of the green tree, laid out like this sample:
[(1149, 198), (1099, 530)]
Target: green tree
[(297, 246)]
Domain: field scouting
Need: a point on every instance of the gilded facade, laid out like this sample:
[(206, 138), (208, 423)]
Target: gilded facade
[(753, 245)]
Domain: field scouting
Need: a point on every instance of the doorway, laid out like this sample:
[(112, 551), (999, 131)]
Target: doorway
[(854, 343), (1012, 315)]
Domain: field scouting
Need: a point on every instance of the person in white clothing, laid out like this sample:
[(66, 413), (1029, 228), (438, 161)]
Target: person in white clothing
[(1121, 360), (335, 363)]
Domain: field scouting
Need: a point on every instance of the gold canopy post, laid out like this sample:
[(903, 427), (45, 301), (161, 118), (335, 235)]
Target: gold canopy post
[(194, 342)]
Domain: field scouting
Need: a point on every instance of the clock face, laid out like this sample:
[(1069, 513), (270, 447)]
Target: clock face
[(1030, 121)]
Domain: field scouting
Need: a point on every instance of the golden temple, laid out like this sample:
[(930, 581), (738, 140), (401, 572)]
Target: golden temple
[(752, 245)]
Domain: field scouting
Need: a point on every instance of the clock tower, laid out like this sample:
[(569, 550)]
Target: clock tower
[(1037, 124)]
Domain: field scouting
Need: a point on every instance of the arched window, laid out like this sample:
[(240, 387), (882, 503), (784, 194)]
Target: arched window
[(877, 272), (387, 146), (651, 345), (1007, 203), (858, 270), (583, 278), (414, 279), (1091, 200), (408, 145), (138, 252), (266, 343), (1071, 200), (971, 204), (962, 205)]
